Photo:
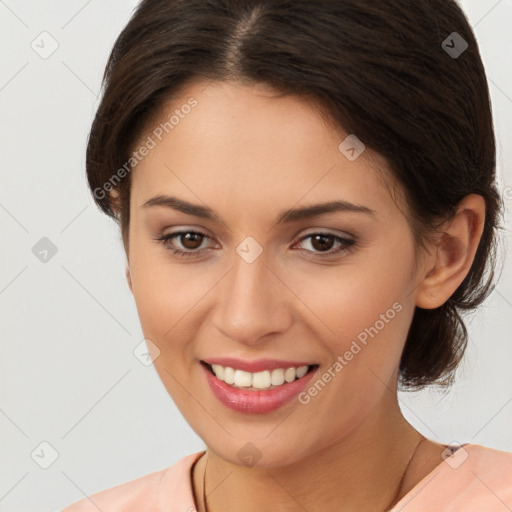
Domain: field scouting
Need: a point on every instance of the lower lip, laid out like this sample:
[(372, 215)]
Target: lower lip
[(256, 402)]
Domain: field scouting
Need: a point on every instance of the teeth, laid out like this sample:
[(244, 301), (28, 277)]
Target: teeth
[(277, 377), (243, 379), (219, 371), (229, 375), (301, 371), (289, 375), (259, 380)]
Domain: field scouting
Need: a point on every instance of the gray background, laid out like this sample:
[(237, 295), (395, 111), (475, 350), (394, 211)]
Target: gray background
[(68, 375)]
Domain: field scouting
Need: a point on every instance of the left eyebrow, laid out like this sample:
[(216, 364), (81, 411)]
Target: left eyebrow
[(285, 217)]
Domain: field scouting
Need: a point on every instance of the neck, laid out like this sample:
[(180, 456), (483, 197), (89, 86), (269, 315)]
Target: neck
[(361, 472)]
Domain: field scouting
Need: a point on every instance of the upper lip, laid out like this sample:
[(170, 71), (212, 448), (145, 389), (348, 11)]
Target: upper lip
[(257, 365)]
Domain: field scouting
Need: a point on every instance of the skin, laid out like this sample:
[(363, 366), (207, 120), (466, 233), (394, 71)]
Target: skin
[(249, 155)]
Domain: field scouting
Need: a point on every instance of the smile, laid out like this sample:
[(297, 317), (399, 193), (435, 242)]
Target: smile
[(267, 379), (259, 392)]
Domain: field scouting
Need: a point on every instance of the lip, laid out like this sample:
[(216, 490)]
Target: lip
[(257, 365), (256, 402)]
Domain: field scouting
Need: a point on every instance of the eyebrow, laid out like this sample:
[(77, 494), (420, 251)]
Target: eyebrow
[(286, 216)]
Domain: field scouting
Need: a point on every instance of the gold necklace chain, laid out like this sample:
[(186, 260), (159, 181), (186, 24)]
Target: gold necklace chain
[(392, 503)]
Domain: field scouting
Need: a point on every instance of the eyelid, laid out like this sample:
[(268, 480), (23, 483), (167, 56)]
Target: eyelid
[(347, 244), (327, 231), (296, 238)]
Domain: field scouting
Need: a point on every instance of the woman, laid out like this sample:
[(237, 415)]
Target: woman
[(306, 194)]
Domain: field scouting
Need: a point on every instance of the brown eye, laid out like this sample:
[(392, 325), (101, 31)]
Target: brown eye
[(322, 244), (184, 243), (188, 243), (191, 240)]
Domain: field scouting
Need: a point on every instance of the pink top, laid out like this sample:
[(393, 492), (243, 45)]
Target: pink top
[(474, 479)]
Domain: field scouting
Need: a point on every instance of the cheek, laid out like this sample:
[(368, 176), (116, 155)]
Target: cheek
[(159, 292), (362, 313), (365, 320), (356, 299), (165, 300), (170, 298)]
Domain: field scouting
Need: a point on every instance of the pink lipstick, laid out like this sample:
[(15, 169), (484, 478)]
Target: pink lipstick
[(256, 401)]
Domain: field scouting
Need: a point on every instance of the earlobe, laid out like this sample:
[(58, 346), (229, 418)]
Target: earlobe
[(128, 278), (454, 253), (115, 200)]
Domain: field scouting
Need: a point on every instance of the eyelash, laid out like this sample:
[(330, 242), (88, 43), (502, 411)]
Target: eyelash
[(347, 244)]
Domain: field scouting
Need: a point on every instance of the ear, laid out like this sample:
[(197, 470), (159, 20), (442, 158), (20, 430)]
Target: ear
[(453, 255), (128, 278), (115, 200)]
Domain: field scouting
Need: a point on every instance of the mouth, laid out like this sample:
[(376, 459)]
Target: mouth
[(263, 380), (257, 393)]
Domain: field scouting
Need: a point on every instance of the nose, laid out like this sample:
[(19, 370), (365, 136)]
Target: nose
[(252, 302)]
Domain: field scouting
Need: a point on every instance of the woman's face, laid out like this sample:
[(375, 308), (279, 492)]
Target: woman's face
[(258, 286)]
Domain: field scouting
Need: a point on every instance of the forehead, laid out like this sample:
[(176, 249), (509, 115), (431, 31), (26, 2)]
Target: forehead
[(249, 146)]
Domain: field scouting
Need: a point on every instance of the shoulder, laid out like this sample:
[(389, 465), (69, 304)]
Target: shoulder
[(473, 478), (485, 465), (490, 468), (484, 454), (155, 491)]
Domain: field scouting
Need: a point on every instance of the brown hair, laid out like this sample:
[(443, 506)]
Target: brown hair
[(380, 70)]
